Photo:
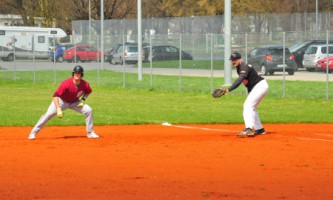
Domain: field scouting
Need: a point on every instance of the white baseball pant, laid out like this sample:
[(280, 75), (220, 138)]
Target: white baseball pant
[(250, 113)]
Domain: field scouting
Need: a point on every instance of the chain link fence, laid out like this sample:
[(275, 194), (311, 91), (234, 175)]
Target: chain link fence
[(165, 66)]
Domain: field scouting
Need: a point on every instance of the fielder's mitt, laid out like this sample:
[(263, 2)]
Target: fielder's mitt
[(218, 92)]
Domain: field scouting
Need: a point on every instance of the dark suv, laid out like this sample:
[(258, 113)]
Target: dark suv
[(299, 49), (269, 59)]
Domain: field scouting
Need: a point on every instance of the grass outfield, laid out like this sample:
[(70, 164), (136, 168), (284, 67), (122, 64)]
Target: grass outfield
[(23, 102)]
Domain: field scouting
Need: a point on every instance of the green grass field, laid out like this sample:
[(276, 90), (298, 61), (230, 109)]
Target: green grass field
[(138, 102)]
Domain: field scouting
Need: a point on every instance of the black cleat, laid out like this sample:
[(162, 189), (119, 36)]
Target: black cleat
[(260, 131)]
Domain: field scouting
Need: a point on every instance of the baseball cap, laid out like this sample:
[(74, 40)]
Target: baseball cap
[(235, 56)]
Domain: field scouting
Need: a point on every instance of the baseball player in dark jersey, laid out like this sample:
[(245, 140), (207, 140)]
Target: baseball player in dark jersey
[(257, 88), (66, 96)]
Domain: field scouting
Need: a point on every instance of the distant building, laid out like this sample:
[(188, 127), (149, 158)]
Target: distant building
[(16, 20)]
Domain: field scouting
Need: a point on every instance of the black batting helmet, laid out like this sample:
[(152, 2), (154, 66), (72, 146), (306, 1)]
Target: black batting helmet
[(78, 69)]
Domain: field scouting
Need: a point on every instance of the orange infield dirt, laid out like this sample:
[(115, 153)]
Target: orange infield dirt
[(168, 162)]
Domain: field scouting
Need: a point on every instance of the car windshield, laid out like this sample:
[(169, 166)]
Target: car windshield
[(297, 46)]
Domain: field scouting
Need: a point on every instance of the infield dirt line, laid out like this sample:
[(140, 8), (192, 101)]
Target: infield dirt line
[(321, 134), (198, 128), (314, 139)]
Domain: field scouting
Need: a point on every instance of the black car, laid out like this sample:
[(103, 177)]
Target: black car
[(269, 59), (165, 52), (299, 49)]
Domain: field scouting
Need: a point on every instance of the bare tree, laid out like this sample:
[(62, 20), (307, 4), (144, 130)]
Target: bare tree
[(26, 9)]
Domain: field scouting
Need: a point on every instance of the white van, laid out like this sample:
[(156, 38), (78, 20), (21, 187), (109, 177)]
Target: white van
[(314, 53), (27, 42)]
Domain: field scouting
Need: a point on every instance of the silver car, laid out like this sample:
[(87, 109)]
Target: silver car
[(126, 54), (314, 53)]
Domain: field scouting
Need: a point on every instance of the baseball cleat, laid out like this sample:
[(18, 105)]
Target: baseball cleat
[(92, 135), (32, 136), (246, 132), (260, 131)]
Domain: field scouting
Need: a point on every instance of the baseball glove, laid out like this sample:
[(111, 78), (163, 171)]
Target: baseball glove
[(218, 92)]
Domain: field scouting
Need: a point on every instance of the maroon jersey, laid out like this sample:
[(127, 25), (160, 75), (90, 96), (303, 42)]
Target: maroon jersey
[(69, 92)]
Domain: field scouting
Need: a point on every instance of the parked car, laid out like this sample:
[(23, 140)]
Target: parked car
[(315, 53), (269, 59), (299, 49), (59, 51), (127, 53), (165, 52), (82, 53), (322, 64)]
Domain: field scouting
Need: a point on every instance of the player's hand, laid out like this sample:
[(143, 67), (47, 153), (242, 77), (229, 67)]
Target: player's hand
[(81, 104), (59, 113)]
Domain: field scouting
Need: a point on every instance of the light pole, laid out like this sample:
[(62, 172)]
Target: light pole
[(139, 42), (89, 22), (102, 33), (316, 19), (192, 33), (227, 42)]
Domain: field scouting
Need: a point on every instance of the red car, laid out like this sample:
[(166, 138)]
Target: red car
[(82, 53), (321, 64)]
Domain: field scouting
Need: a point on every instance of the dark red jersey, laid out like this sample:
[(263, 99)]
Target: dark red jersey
[(69, 92)]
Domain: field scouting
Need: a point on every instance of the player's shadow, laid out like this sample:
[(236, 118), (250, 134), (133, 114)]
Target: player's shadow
[(71, 137)]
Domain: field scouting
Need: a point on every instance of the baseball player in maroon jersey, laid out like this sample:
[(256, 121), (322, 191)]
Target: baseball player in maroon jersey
[(257, 88), (66, 96)]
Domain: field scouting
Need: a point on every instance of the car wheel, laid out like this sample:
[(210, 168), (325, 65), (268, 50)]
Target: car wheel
[(263, 70), (10, 57), (271, 72), (291, 72), (60, 59), (76, 59), (310, 69)]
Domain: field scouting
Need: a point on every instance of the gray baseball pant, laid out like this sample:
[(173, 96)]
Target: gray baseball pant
[(52, 111)]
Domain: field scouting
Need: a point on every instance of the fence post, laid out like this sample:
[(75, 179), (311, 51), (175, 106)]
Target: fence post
[(327, 66), (98, 59), (284, 65), (54, 65), (124, 69), (211, 63), (246, 50), (33, 56), (180, 62), (14, 59), (150, 62)]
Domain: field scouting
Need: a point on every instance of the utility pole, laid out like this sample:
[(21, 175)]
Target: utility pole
[(227, 42)]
